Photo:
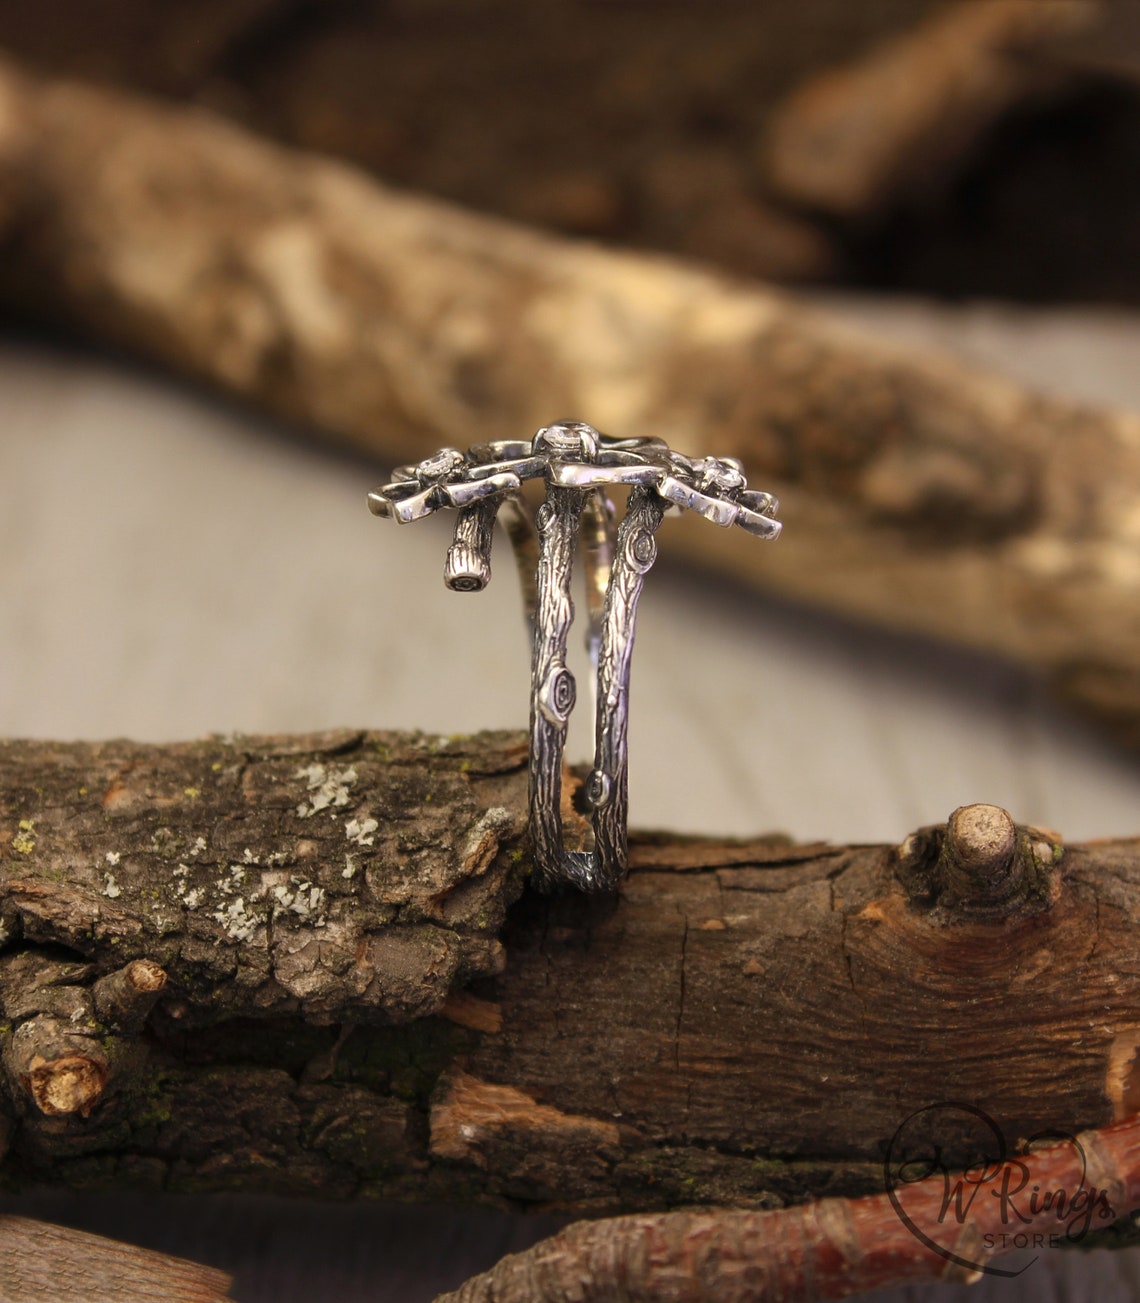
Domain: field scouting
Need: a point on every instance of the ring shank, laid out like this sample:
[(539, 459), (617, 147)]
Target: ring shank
[(570, 519), (552, 685), (608, 787)]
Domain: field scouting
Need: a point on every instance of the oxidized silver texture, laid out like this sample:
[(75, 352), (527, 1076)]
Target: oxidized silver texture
[(579, 466)]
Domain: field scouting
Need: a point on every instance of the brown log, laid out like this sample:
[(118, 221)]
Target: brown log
[(53, 1264), (899, 122), (836, 1247), (362, 998), (918, 492)]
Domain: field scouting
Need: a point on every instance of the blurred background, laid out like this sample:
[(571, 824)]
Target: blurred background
[(174, 560), (647, 122)]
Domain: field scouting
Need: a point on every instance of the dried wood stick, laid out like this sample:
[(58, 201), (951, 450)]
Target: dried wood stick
[(354, 994), (40, 1263), (919, 493), (897, 123), (833, 1248)]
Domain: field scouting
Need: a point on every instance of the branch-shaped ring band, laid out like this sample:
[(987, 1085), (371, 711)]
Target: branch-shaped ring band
[(579, 467)]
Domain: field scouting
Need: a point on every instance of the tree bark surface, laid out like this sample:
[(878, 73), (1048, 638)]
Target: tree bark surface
[(51, 1264), (312, 965), (918, 493)]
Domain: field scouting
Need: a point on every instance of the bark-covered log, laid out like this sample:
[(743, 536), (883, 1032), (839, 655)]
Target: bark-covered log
[(918, 493), (362, 998), (51, 1264)]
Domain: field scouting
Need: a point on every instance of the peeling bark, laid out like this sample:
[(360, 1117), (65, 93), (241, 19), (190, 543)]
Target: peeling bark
[(390, 1013), (918, 493)]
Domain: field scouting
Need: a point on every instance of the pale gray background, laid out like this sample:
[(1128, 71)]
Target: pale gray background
[(171, 566)]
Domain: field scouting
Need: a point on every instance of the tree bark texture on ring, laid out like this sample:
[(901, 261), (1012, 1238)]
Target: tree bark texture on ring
[(362, 997)]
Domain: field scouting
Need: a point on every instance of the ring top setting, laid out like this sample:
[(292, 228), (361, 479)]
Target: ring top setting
[(572, 454)]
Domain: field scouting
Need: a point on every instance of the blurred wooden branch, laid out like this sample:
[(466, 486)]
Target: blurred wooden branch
[(854, 140), (1108, 48), (52, 1264), (919, 493), (661, 161)]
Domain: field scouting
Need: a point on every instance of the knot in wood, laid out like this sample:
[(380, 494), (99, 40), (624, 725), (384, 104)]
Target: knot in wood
[(62, 1069), (982, 874), (980, 865)]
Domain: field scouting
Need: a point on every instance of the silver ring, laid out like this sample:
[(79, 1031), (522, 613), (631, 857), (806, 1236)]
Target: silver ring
[(579, 467)]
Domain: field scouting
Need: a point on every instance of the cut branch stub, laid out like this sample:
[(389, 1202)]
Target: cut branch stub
[(980, 865), (62, 1072), (54, 1054), (125, 997), (71, 1084)]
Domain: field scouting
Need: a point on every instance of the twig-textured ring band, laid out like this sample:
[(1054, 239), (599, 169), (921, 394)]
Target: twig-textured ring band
[(579, 467)]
